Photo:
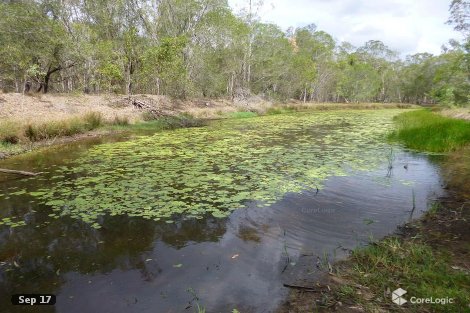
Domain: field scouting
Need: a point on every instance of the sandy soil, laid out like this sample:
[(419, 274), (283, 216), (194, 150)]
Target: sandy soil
[(39, 108)]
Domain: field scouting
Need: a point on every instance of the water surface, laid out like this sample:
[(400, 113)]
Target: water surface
[(212, 215)]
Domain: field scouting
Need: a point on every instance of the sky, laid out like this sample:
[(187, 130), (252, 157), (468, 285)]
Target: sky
[(406, 26)]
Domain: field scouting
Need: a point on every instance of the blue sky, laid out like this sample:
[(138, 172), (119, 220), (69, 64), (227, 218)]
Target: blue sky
[(407, 26)]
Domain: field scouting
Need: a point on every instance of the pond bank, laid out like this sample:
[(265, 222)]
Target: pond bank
[(428, 257), (30, 122), (41, 135), (424, 130)]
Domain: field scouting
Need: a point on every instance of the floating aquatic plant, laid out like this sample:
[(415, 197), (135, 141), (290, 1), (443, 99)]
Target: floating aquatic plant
[(218, 168)]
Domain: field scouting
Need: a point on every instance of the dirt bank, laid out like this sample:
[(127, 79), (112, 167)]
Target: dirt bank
[(47, 107), (62, 118), (42, 108), (461, 113)]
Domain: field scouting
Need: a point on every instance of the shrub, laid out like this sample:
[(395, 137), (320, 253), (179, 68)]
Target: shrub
[(9, 132), (93, 120)]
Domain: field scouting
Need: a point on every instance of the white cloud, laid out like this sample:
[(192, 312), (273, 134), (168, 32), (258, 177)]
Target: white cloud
[(407, 26)]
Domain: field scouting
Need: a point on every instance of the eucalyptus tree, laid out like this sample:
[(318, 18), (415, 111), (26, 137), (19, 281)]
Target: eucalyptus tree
[(418, 74), (451, 84), (218, 54), (201, 48), (381, 58), (460, 16), (120, 26), (271, 57), (322, 88), (34, 44), (358, 80)]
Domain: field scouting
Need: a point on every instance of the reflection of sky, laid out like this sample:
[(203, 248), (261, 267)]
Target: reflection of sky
[(406, 26), (343, 214)]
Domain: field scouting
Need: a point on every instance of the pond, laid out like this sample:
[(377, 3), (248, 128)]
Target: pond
[(212, 216)]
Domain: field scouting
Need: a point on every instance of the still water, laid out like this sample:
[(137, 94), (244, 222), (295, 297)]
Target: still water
[(212, 216)]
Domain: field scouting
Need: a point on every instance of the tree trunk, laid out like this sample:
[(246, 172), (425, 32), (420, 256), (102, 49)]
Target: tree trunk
[(129, 72), (46, 82), (44, 85), (305, 93), (27, 87)]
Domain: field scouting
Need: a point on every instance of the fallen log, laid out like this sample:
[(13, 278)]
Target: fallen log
[(24, 173), (149, 107)]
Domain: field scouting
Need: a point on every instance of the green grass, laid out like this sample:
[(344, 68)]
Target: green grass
[(427, 131), (242, 114), (280, 110), (121, 120), (413, 266), (14, 132)]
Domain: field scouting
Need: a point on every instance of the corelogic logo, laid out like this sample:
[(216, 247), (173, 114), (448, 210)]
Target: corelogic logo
[(397, 296)]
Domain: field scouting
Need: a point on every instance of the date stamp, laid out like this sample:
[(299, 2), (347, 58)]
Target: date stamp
[(33, 299)]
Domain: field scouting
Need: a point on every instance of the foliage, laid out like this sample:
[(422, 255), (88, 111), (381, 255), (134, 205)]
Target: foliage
[(459, 16), (200, 48)]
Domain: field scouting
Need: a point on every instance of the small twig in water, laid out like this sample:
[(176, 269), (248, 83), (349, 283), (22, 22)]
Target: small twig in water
[(414, 203)]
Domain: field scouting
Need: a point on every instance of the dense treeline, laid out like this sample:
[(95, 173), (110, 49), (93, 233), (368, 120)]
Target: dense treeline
[(200, 48)]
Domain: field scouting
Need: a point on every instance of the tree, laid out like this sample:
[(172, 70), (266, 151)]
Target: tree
[(460, 16), (34, 43), (200, 48)]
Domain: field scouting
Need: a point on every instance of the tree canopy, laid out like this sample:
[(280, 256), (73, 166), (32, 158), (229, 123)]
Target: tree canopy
[(201, 48)]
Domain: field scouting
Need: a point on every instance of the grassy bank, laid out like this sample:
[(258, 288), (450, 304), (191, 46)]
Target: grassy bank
[(152, 124), (428, 259), (427, 131), (16, 138), (293, 107), (413, 265), (14, 132)]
